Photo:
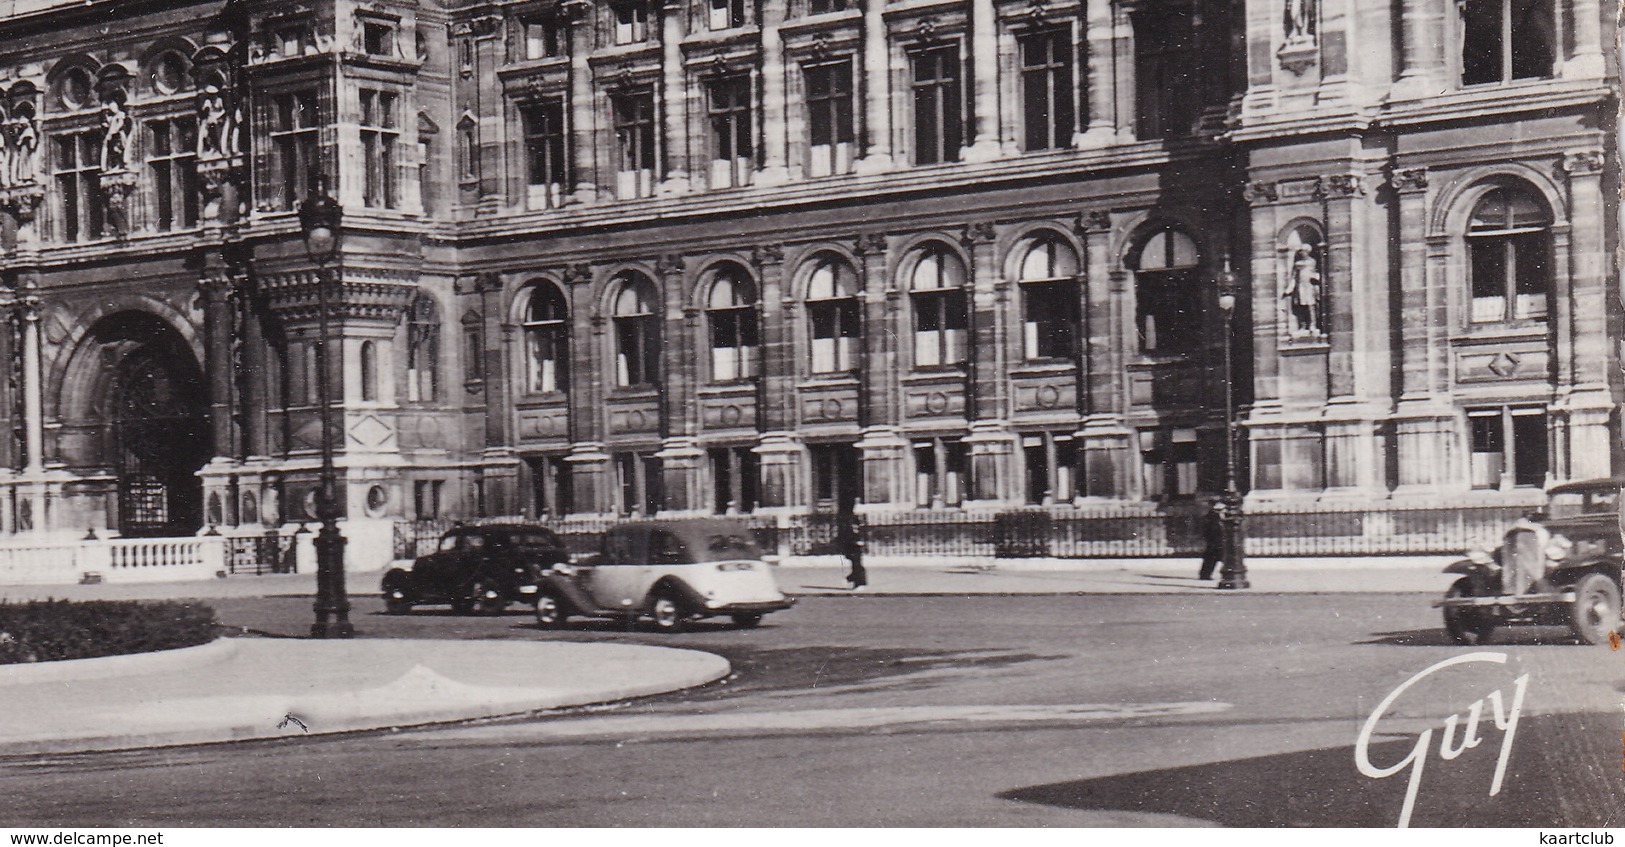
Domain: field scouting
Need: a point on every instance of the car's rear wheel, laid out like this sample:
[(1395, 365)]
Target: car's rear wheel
[(396, 604), (747, 620), (1596, 608), (550, 613), (1465, 624), (488, 597), (666, 613)]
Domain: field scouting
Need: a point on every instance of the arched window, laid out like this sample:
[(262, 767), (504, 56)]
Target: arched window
[(1509, 245), (423, 350), (941, 314), (1167, 306), (832, 309), (547, 339), (636, 320), (730, 312), (369, 371), (1049, 299)]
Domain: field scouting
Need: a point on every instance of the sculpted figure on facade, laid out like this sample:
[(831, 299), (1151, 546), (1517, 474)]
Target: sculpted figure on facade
[(115, 134), (1299, 20), (22, 145), (212, 120), (1302, 292)]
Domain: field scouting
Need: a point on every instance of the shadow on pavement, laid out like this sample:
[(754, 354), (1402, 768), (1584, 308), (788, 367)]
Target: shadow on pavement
[(1563, 771), (1526, 636)]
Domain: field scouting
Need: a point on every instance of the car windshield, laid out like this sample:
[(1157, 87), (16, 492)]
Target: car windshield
[(731, 547), (1569, 504)]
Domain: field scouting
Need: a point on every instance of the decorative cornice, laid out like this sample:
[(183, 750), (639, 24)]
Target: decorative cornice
[(1259, 192), (297, 297), (1409, 181)]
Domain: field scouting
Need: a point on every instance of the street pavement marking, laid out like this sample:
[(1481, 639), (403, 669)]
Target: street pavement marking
[(803, 720)]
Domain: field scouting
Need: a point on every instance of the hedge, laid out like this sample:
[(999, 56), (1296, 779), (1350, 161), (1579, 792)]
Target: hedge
[(51, 630)]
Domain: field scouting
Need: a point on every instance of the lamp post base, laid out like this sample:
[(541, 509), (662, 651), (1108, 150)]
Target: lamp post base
[(332, 604)]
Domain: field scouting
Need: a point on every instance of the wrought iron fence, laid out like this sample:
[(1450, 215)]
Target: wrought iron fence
[(266, 552), (1136, 530)]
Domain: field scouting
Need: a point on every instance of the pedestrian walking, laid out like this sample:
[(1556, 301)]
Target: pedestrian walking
[(1212, 537), (849, 540)]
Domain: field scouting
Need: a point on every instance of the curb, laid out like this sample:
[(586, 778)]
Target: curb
[(103, 667), (380, 708)]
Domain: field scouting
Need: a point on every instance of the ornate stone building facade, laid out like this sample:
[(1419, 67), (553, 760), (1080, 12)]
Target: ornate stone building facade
[(792, 256)]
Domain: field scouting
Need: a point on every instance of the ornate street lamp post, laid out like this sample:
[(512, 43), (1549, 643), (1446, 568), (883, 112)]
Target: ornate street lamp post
[(319, 219), (1234, 572)]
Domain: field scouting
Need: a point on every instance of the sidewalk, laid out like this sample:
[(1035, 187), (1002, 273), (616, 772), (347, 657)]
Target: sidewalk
[(811, 575), (257, 688)]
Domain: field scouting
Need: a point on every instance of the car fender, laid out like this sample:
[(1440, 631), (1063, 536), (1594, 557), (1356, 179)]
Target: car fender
[(575, 600), (1466, 567), (397, 578), (692, 600), (1573, 571)]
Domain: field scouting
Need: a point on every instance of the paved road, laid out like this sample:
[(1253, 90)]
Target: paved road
[(936, 711)]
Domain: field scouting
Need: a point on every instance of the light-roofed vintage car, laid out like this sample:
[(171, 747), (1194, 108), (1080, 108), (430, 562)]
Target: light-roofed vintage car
[(1560, 567), (670, 572)]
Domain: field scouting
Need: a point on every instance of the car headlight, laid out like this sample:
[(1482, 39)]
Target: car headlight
[(1559, 548), (1481, 555)]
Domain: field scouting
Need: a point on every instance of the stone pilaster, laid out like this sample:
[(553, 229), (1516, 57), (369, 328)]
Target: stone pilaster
[(583, 122), (774, 170), (877, 109), (1422, 46), (674, 116), (985, 82)]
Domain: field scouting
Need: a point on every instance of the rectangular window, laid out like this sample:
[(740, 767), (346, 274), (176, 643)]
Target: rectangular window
[(378, 38), (295, 124), (835, 330), (1509, 447), (726, 14), (1167, 91), (1509, 276), (733, 480), (551, 491), (824, 7), (1052, 461), (541, 39), (734, 343), (380, 135), (1050, 320), (837, 476), (473, 354), (631, 21), (426, 498), (941, 324), (637, 350), (1170, 323), (78, 185), (731, 130), (939, 120), (548, 169), (634, 119), (1046, 89), (1504, 40), (830, 130), (1169, 463), (639, 481), (172, 161), (940, 477)]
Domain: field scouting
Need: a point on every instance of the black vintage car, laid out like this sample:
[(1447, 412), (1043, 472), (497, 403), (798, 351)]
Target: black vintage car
[(481, 568), (1560, 567)]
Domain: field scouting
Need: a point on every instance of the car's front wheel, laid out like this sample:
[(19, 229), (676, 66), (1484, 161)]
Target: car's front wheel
[(1596, 608), (667, 614), (488, 597), (1465, 624), (395, 604), (550, 613)]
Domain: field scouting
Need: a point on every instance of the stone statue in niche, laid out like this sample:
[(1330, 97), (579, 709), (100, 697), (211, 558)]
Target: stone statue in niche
[(22, 142), (1302, 293), (1299, 20), (115, 134), (212, 119)]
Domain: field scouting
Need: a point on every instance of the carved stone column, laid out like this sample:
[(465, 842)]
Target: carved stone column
[(1587, 60), (1585, 399), (1123, 77), (583, 123), (1101, 67), (877, 111), (1422, 46), (1106, 441), (774, 171), (219, 292), (1424, 424), (985, 81), (674, 114)]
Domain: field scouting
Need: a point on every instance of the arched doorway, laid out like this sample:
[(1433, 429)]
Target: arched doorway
[(156, 426)]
